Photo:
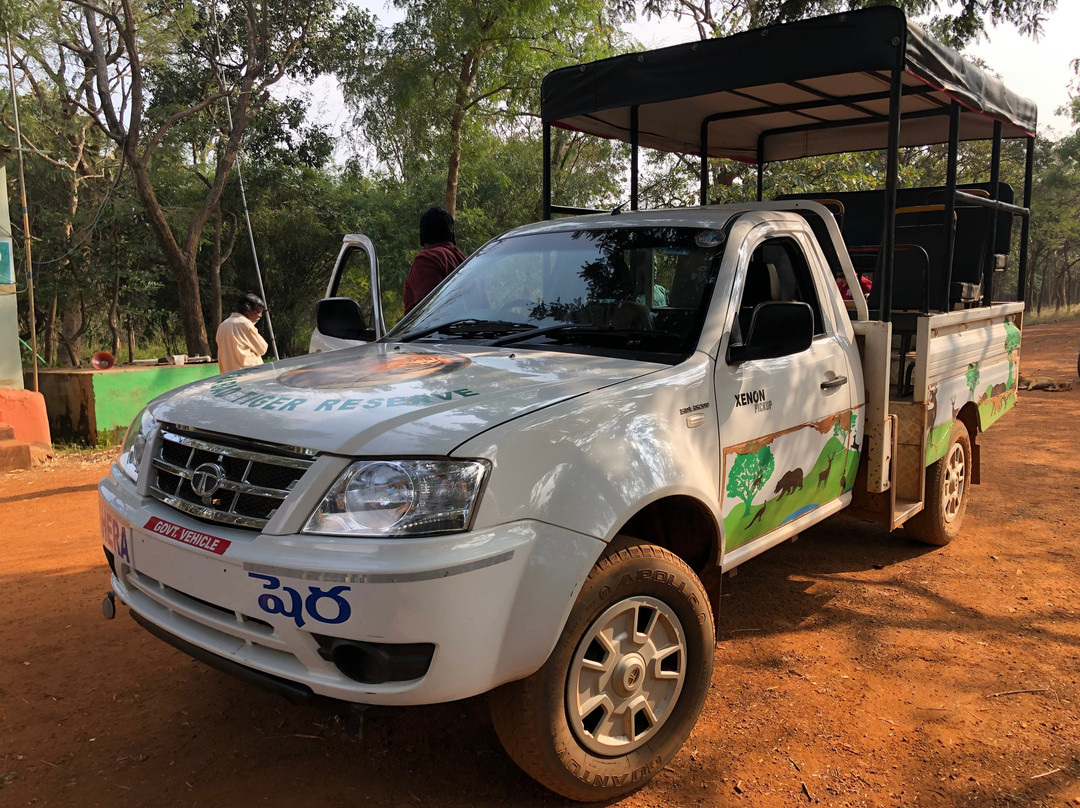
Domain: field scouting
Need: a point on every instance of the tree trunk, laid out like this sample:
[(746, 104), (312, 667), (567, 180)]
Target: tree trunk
[(215, 275), (470, 63), (71, 337), (130, 341), (114, 313), (48, 337), (191, 316)]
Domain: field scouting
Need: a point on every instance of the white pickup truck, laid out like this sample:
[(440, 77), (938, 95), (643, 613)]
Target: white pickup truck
[(534, 483)]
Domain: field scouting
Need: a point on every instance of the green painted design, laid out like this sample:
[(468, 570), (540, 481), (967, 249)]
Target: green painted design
[(937, 442), (749, 473), (972, 377), (992, 410), (1012, 346), (1012, 336), (7, 270), (120, 393), (795, 493)]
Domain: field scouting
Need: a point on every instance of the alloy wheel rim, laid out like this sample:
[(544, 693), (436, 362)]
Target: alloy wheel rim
[(954, 482), (626, 676)]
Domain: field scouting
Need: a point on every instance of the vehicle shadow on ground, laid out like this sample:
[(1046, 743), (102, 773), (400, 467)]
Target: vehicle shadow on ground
[(778, 591), (51, 492)]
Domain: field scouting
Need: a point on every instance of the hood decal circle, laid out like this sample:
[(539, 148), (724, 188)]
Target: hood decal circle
[(373, 370)]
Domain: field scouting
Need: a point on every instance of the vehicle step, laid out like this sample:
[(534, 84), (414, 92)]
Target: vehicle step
[(904, 510)]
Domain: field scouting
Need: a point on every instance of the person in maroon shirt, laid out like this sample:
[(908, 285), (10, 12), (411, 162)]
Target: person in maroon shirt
[(438, 256)]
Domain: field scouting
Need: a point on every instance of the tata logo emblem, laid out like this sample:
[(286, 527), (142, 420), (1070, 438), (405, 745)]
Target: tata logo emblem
[(206, 479)]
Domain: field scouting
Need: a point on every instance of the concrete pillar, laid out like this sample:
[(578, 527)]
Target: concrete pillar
[(10, 365)]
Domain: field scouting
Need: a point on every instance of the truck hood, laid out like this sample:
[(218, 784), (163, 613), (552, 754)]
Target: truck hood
[(388, 399)]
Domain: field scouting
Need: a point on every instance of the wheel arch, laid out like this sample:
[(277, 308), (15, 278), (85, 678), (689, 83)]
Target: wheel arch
[(679, 523), (969, 417)]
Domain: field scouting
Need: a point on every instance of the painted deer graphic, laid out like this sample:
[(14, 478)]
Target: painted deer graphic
[(823, 477)]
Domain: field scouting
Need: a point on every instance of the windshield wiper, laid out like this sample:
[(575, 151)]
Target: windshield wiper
[(593, 334), (470, 327), (538, 332)]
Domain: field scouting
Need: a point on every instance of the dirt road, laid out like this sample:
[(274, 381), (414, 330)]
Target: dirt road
[(856, 668)]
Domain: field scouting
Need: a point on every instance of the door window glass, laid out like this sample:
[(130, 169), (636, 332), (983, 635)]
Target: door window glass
[(355, 282), (777, 271)]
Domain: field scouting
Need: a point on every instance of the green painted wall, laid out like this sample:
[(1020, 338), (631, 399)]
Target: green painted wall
[(119, 393), (87, 405)]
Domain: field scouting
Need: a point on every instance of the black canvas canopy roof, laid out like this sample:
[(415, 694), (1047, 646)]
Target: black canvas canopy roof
[(818, 86)]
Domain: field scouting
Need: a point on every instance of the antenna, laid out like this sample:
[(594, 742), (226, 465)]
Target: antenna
[(243, 193)]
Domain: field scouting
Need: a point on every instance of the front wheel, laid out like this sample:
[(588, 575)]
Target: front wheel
[(624, 686), (947, 482)]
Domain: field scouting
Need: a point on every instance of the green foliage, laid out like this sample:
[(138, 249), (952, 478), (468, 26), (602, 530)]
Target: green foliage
[(450, 70), (454, 80), (839, 432), (1012, 339), (749, 473), (955, 23), (972, 377)]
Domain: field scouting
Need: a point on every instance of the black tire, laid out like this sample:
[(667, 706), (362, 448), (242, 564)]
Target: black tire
[(947, 482), (596, 721)]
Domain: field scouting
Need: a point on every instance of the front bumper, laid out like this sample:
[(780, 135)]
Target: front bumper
[(490, 603)]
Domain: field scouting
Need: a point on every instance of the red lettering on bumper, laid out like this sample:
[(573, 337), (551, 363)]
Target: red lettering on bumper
[(187, 536)]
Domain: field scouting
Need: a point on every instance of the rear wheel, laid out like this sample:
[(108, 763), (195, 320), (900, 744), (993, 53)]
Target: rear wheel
[(947, 482), (624, 685)]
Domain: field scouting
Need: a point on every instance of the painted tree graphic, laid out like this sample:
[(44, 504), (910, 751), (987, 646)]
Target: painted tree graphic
[(838, 430), (749, 473), (972, 377), (1012, 342)]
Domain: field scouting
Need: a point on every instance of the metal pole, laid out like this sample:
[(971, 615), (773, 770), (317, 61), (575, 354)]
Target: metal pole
[(760, 166), (891, 181), (243, 201), (25, 215), (546, 192), (251, 239), (1025, 225), (704, 162), (634, 157), (995, 173), (950, 201)]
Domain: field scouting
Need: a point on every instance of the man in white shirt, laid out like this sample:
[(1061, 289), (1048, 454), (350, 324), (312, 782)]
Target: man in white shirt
[(239, 344)]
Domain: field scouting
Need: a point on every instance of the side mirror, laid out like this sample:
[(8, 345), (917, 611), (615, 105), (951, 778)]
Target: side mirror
[(341, 317), (776, 329)]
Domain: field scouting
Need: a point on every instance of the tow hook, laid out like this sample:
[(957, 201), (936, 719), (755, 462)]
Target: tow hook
[(108, 605)]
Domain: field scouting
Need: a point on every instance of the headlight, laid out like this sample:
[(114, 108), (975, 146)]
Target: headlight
[(131, 451), (400, 498)]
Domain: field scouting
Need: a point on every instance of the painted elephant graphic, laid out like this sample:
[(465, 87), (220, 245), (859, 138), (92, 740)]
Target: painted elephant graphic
[(790, 483)]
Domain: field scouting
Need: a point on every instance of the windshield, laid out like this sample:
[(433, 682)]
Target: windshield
[(639, 290)]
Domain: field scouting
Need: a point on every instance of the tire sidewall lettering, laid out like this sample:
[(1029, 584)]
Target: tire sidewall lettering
[(591, 770), (662, 578)]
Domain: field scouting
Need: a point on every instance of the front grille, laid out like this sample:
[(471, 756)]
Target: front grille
[(222, 480)]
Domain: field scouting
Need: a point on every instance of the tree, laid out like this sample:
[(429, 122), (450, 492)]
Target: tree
[(749, 473), (122, 49), (449, 66), (972, 377), (954, 23)]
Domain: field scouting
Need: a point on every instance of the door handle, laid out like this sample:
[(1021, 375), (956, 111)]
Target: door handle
[(837, 382)]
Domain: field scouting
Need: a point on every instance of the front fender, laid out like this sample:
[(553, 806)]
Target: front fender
[(590, 463)]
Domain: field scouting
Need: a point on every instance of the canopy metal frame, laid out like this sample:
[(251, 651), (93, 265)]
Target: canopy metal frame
[(931, 95)]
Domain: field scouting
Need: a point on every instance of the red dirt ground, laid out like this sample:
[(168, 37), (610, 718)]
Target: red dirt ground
[(856, 668)]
